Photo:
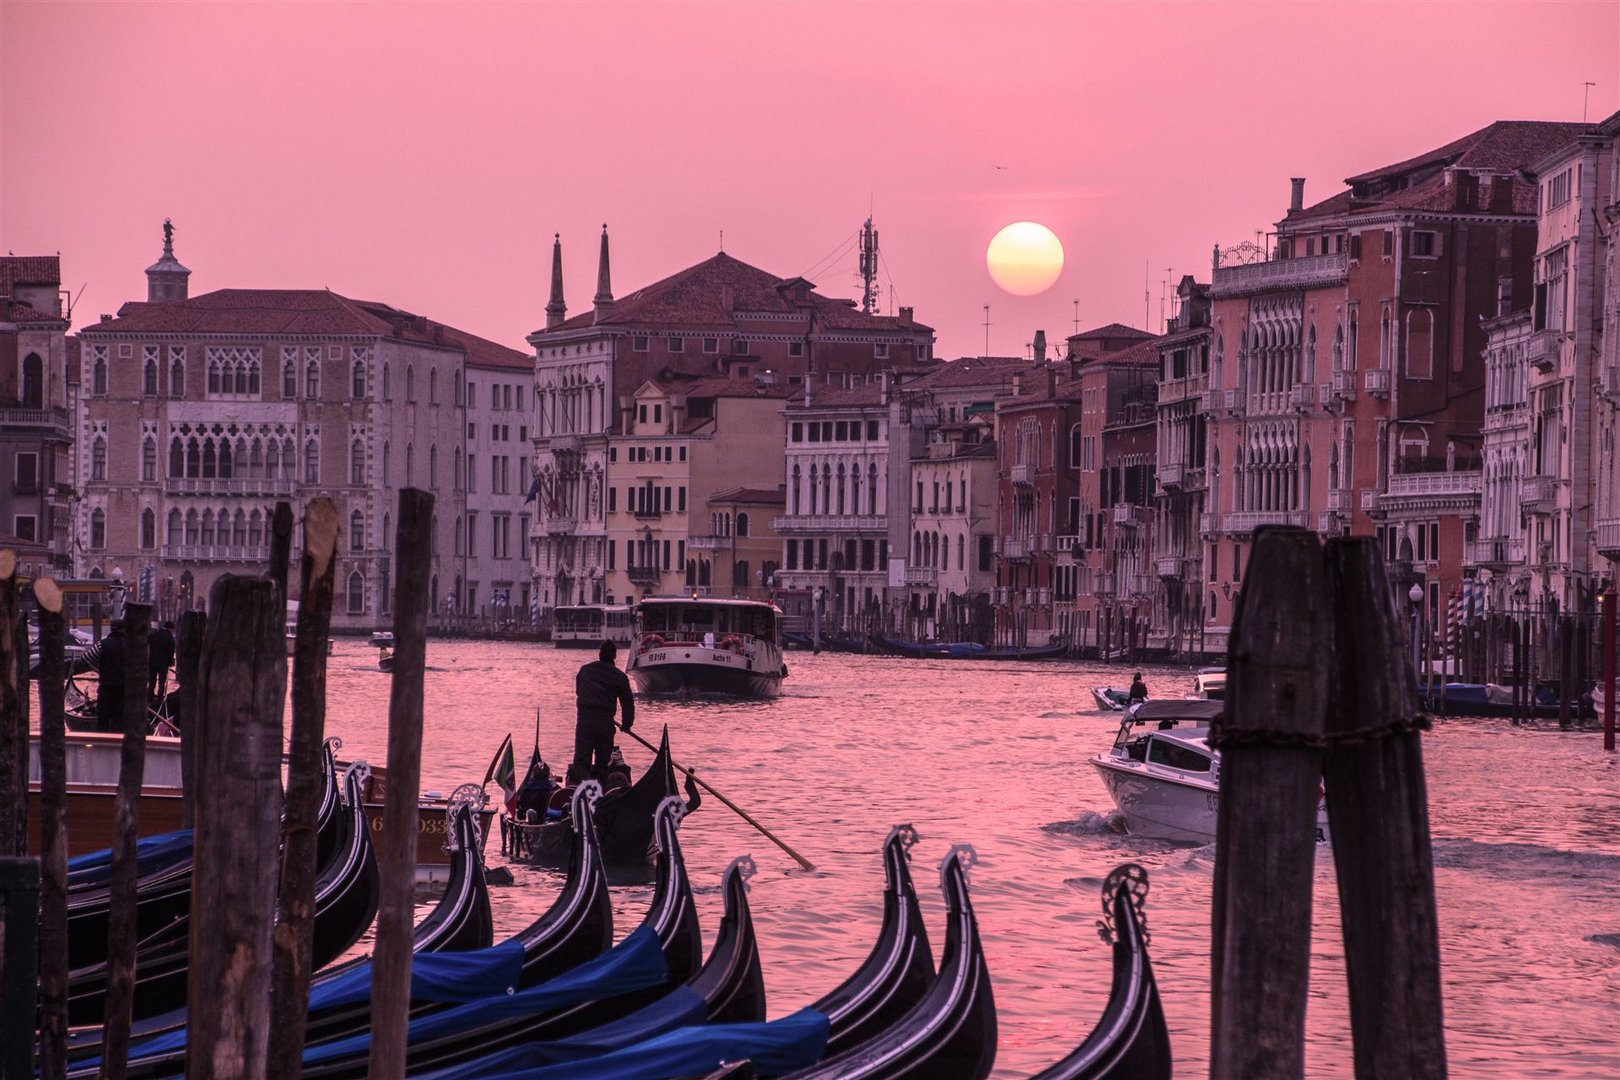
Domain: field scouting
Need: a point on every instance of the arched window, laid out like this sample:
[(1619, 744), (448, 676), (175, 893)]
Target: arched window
[(149, 459), (98, 376), (177, 373), (255, 529), (459, 535), (98, 529), (387, 533), (239, 529), (191, 527), (210, 464), (357, 463), (98, 459), (458, 468), (742, 523), (410, 463), (384, 478), (289, 380), (871, 488), (410, 383), (433, 466), (193, 458), (148, 529), (797, 487), (458, 388), (388, 392), (33, 384), (357, 593), (358, 388), (312, 380), (149, 377), (176, 532), (312, 462), (357, 531), (208, 528), (433, 386)]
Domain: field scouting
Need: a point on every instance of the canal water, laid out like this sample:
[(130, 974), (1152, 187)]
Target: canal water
[(1526, 827)]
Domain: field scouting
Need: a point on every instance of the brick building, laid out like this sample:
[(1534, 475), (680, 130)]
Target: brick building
[(35, 428)]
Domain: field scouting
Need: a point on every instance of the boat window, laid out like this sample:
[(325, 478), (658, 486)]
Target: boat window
[(1176, 756), (1136, 749)]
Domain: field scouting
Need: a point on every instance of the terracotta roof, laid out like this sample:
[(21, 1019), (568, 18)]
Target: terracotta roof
[(29, 270), (268, 312), (718, 386), (970, 371), (1145, 353), (757, 496), (828, 395), (1501, 146), (1112, 330), (710, 294)]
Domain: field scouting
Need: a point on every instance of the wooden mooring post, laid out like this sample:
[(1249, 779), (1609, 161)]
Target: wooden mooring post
[(19, 908), (121, 921), (187, 660), (295, 926), (391, 959), (241, 690), (1265, 849), (53, 839), (13, 720)]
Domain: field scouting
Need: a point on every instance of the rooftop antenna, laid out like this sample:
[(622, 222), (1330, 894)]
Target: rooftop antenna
[(1147, 297), (1586, 98), (987, 329), (1077, 317), (722, 239), (869, 267)]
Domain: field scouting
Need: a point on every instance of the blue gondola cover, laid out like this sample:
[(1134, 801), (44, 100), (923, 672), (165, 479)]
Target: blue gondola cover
[(446, 976)]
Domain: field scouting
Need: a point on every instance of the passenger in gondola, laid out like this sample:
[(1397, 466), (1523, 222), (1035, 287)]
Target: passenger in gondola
[(160, 658), (535, 792), (1139, 691), (618, 772), (110, 680)]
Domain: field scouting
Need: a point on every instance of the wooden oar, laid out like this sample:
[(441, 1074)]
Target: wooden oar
[(739, 811)]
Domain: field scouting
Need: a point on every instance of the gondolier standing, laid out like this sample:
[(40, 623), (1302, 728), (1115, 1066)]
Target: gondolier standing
[(597, 687)]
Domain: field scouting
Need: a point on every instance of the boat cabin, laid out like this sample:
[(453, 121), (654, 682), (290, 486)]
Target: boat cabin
[(588, 625), (700, 620), (1170, 733)]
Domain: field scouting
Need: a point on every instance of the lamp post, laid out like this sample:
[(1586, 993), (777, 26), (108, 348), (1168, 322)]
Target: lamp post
[(1415, 594)]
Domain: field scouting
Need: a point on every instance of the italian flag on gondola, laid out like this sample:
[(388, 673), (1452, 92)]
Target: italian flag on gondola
[(503, 770)]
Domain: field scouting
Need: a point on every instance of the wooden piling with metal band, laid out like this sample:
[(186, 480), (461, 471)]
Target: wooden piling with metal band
[(1379, 820), (187, 659), (241, 690), (281, 532), (13, 722), (295, 925), (121, 923), (1270, 740), (391, 959), (53, 845)]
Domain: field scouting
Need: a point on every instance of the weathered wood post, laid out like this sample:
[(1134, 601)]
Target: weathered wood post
[(121, 926), (19, 908), (18, 627), (1265, 851), (13, 722), (295, 927), (187, 659), (53, 947), (241, 687), (281, 532), (1609, 627), (391, 959), (1379, 817)]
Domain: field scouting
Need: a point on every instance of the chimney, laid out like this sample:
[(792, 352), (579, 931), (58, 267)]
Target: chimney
[(905, 316), (884, 386), (556, 310), (1018, 384), (604, 286), (1040, 347), (1051, 383), (1296, 197)]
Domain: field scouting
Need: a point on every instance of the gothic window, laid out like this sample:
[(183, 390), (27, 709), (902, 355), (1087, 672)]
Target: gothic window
[(149, 459), (410, 383), (176, 534), (239, 529), (433, 386), (255, 529), (387, 390), (98, 376), (357, 593), (193, 458), (458, 388), (797, 478), (357, 531), (191, 527), (98, 529), (289, 380), (742, 524), (387, 532), (177, 371), (410, 464), (33, 384), (312, 380), (312, 462), (149, 373), (357, 463), (148, 529), (98, 459), (458, 468), (358, 389)]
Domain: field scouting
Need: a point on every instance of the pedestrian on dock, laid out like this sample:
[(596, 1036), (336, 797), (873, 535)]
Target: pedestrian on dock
[(597, 688)]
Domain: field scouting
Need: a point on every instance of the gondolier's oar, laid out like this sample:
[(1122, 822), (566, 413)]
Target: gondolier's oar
[(739, 811)]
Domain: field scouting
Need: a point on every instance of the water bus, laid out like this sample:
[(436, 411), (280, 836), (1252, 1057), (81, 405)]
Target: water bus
[(707, 645), (586, 626)]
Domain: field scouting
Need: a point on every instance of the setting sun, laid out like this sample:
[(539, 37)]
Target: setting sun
[(1025, 258)]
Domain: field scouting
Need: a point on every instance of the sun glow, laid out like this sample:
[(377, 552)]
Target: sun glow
[(1025, 258)]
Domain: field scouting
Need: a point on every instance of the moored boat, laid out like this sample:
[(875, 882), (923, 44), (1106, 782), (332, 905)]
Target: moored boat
[(707, 645)]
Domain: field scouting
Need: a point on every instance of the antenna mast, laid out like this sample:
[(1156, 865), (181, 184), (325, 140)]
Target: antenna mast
[(869, 267)]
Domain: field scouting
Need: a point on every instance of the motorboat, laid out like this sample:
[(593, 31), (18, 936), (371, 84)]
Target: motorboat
[(586, 626), (1210, 683), (1111, 698), (1163, 775), (707, 645)]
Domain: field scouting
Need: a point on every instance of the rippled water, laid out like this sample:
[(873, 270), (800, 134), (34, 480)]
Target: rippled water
[(1526, 827)]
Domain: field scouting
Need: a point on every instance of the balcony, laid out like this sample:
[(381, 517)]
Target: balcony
[(1543, 349), (1128, 515), (1329, 523), (1344, 385), (709, 543), (1369, 500), (1302, 398), (1171, 476), (1103, 584), (798, 524), (1495, 552), (38, 422), (1174, 390), (921, 575), (1213, 399), (1141, 584), (1312, 272), (643, 575), (1376, 382), (560, 526), (1209, 526), (647, 513), (1242, 524), (1338, 500), (1608, 538), (1538, 492), (1015, 547), (1167, 566), (1023, 475), (565, 444), (218, 553), (1233, 402), (1434, 483), (235, 485)]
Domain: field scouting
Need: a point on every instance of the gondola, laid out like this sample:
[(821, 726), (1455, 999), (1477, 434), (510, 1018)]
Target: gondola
[(664, 952), (729, 988), (345, 903), (1131, 1041), (624, 820), (971, 650)]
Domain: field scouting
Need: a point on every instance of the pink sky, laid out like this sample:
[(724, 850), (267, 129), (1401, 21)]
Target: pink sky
[(424, 155)]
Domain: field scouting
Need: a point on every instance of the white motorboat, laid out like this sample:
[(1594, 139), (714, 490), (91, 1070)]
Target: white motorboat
[(1163, 775), (1210, 683), (1110, 699), (707, 645), (586, 626)]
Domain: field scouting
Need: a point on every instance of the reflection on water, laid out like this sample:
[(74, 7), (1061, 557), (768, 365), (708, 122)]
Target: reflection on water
[(1527, 852)]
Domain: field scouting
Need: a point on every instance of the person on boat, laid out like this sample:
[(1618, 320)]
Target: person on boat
[(160, 658), (598, 686), (1138, 689), (110, 680), (618, 772), (535, 792)]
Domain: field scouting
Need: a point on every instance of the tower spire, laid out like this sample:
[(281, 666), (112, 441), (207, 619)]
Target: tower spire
[(166, 279), (556, 310), (604, 284)]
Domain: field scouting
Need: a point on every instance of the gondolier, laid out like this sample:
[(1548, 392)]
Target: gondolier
[(597, 687)]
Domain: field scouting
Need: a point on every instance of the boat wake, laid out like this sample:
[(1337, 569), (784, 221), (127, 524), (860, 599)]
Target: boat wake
[(1523, 860), (1090, 823)]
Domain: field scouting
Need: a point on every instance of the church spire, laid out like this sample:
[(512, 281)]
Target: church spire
[(604, 285), (556, 310)]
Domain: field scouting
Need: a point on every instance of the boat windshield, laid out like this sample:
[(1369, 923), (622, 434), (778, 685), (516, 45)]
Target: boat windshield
[(693, 621)]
